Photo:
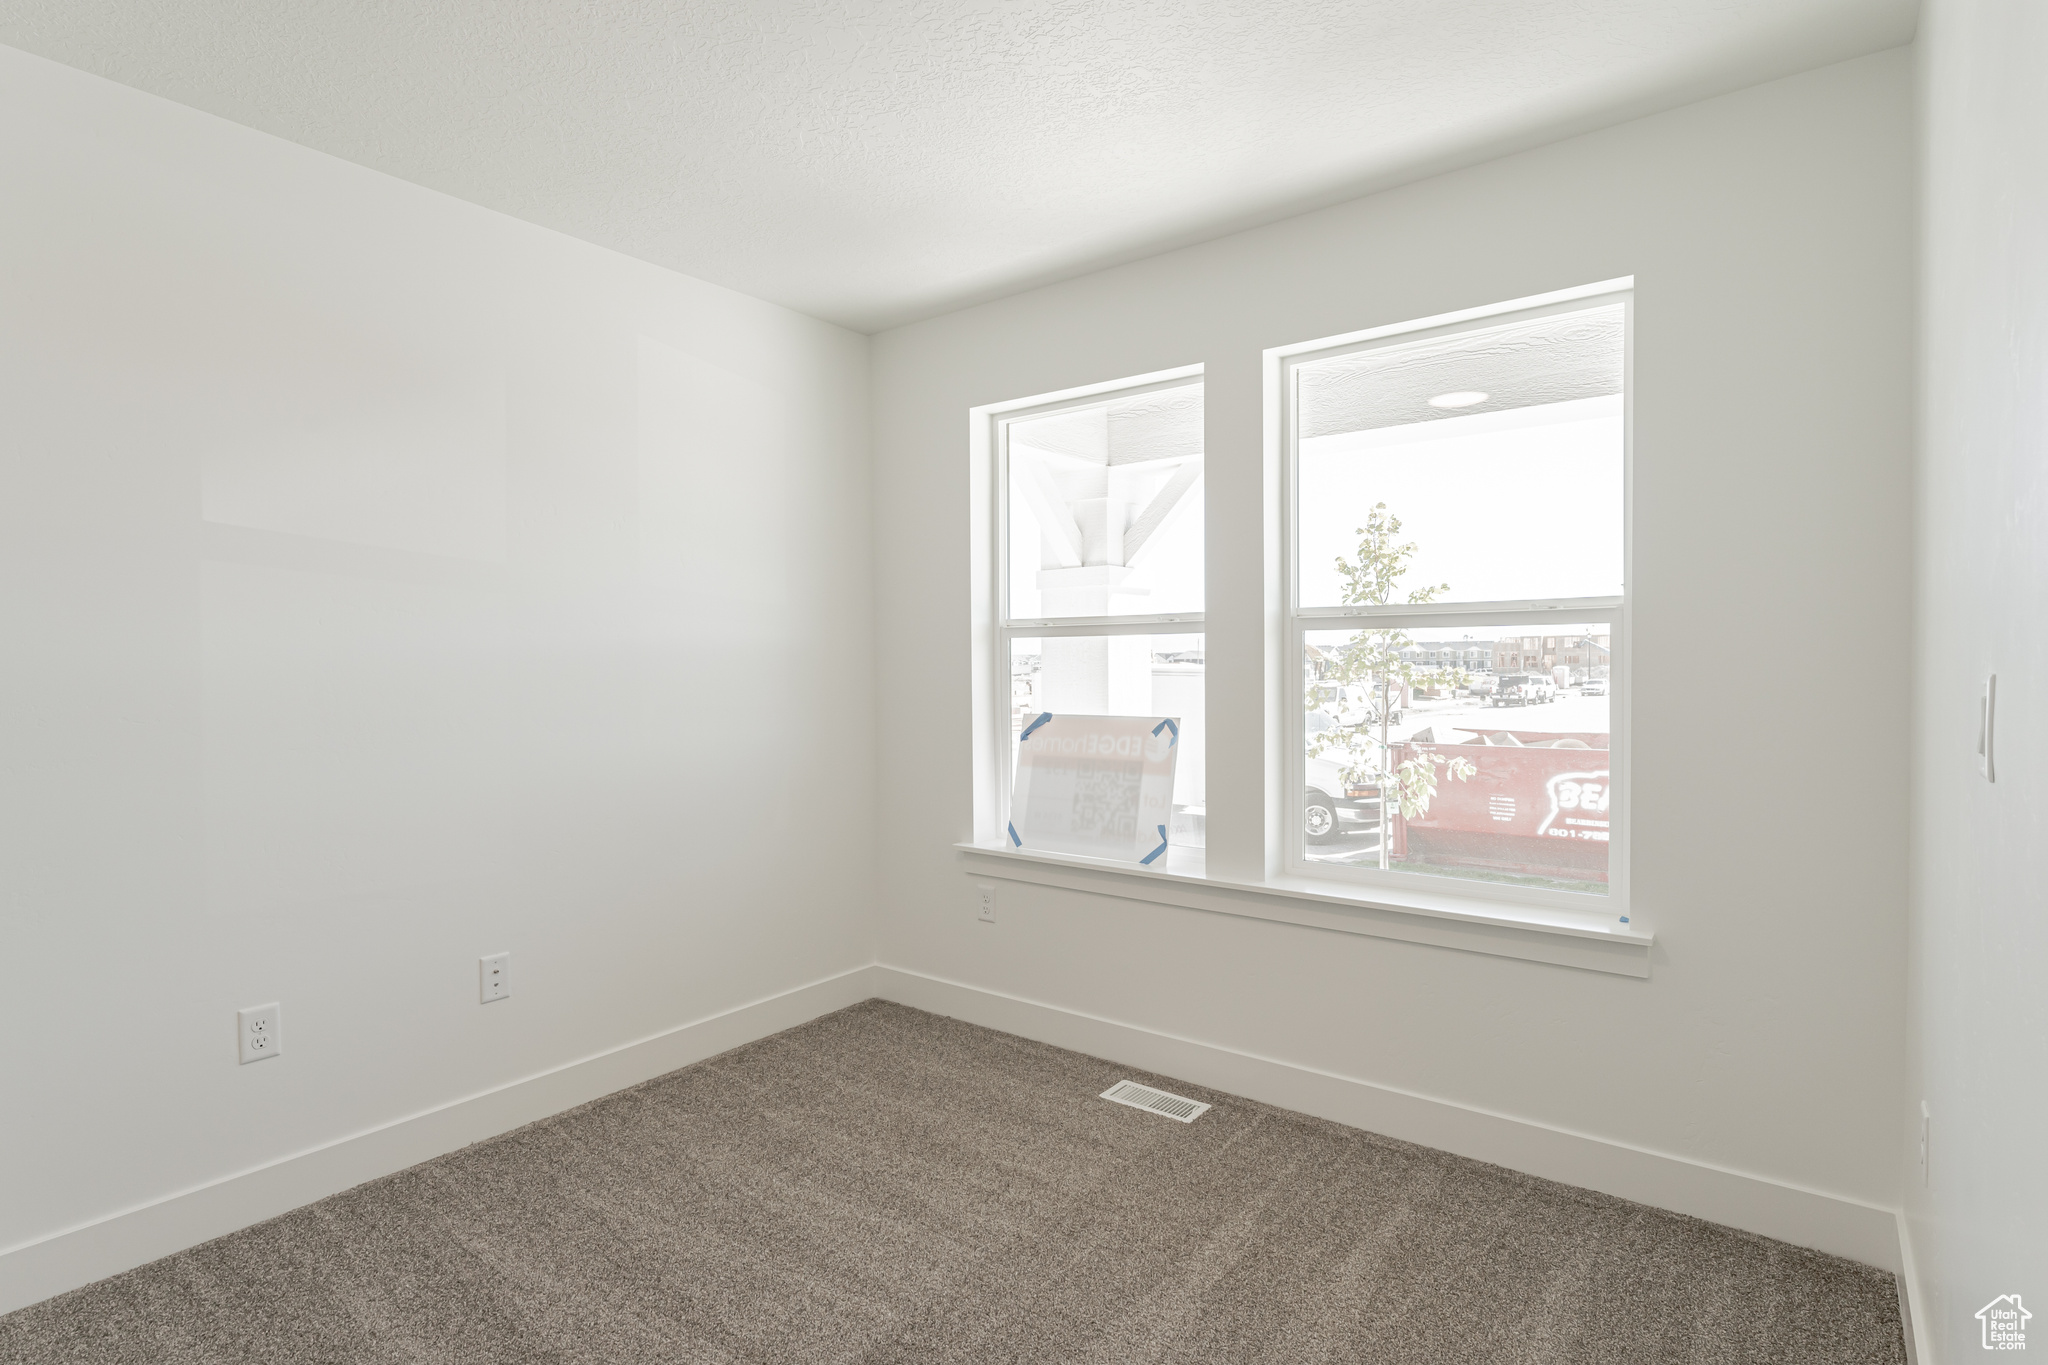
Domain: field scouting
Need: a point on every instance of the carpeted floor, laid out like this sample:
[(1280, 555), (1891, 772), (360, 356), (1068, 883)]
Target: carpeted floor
[(887, 1185)]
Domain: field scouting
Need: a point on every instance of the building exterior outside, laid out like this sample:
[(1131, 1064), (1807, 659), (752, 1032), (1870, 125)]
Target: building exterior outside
[(1587, 656), (1473, 656)]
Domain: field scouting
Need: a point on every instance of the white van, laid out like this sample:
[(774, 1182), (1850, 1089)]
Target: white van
[(1333, 806)]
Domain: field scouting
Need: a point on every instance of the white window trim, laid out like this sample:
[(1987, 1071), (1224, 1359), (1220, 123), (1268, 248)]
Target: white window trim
[(1474, 917), (1613, 610), (991, 460)]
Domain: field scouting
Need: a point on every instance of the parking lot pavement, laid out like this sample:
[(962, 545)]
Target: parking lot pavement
[(1361, 847)]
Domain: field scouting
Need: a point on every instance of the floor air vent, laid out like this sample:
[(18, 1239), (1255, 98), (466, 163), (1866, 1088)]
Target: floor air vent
[(1158, 1101)]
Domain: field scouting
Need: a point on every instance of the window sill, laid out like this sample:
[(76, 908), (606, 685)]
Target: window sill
[(1445, 921)]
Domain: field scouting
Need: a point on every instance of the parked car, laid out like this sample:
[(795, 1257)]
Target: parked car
[(1524, 689), (1349, 702), (1359, 703), (1593, 687)]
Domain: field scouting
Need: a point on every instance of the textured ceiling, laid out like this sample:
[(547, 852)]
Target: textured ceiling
[(870, 161)]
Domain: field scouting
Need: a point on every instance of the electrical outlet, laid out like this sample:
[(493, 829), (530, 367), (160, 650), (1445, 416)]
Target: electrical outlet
[(988, 902), (494, 977), (259, 1029), (1926, 1122)]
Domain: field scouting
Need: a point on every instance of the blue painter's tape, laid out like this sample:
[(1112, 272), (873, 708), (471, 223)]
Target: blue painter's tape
[(1157, 851), (1013, 837), (1043, 717), (1168, 724)]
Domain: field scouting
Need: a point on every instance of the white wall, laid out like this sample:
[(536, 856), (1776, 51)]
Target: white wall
[(1979, 939), (1769, 233), (384, 582)]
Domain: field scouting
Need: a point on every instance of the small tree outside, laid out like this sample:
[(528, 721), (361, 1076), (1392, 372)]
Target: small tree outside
[(1375, 662)]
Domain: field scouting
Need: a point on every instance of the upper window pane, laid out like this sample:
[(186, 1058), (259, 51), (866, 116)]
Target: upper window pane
[(1105, 508), (1492, 457)]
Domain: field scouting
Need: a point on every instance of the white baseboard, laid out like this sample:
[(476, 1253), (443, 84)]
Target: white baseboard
[(1912, 1301), (1810, 1218), (33, 1271)]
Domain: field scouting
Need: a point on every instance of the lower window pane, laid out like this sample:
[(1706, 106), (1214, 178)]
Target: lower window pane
[(1121, 675), (1486, 747)]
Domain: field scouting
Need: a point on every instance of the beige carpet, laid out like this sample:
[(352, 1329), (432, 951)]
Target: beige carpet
[(886, 1185)]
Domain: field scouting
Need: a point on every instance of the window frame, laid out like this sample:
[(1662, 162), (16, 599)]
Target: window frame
[(992, 454), (1297, 621)]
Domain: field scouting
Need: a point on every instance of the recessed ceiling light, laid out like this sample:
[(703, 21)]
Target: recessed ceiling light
[(1463, 398)]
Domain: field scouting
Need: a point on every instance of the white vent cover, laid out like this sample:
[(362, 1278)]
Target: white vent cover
[(1157, 1101)]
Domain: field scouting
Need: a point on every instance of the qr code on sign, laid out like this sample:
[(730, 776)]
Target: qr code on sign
[(1106, 800)]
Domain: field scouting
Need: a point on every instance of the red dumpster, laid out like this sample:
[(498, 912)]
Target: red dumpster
[(1536, 805)]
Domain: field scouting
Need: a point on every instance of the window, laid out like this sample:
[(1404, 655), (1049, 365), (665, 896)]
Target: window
[(1462, 483), (1100, 588), (1453, 551)]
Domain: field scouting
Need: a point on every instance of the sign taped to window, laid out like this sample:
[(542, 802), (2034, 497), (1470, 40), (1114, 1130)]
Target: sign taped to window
[(1099, 786)]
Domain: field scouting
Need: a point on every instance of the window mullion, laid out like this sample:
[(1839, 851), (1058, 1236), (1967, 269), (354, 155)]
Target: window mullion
[(1444, 614), (1174, 625)]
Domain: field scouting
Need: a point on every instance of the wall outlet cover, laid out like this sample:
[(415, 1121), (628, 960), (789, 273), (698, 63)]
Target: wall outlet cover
[(494, 977), (259, 1028), (1926, 1123)]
